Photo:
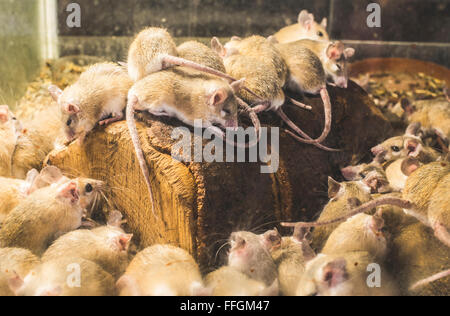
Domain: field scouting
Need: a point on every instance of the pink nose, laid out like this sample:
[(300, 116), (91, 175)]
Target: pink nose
[(342, 83), (377, 150)]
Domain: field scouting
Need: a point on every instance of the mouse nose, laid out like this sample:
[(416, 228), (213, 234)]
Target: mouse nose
[(377, 150)]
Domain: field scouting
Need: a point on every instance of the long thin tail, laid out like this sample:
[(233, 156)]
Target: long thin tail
[(255, 121), (328, 114), (138, 148), (441, 233), (433, 278), (363, 208)]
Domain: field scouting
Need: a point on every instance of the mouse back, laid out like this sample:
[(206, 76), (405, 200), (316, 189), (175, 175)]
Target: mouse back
[(201, 54)]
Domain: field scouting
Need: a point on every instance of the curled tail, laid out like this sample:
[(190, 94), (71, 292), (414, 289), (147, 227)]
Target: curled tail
[(363, 208), (138, 148)]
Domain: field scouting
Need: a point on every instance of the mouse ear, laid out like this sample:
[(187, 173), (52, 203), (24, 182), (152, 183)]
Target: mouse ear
[(50, 174), (272, 239), (350, 173), (334, 273), (218, 97), (413, 129), (409, 165), (71, 108), (306, 19), (335, 50), (414, 147), (238, 85), (55, 92), (407, 106), (15, 283), (69, 190), (333, 188), (324, 23), (349, 52), (123, 241), (217, 46), (4, 113)]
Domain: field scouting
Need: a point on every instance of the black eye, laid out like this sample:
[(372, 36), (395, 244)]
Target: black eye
[(320, 33), (89, 188), (395, 148), (14, 119), (69, 122), (339, 67), (362, 175)]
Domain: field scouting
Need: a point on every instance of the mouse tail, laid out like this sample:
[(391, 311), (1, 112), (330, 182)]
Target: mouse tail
[(362, 209), (138, 148), (441, 233), (255, 121), (431, 279), (328, 114), (299, 104), (307, 139)]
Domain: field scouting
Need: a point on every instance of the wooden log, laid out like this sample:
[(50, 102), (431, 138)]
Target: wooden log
[(200, 204)]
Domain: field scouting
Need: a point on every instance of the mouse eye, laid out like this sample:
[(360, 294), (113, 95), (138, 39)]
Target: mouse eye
[(89, 188), (69, 122), (362, 175), (395, 148), (320, 33), (339, 67), (242, 243)]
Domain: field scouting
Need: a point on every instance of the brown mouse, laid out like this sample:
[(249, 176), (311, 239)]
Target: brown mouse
[(14, 261), (54, 277), (98, 96), (106, 246), (371, 174), (228, 281), (306, 27), (187, 95), (410, 144), (10, 130), (343, 275), (334, 57), (251, 255), (162, 270)]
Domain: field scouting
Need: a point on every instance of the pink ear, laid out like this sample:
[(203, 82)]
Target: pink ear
[(334, 273), (15, 283), (350, 172), (217, 46), (306, 19), (333, 187), (335, 50), (71, 108), (272, 239), (324, 23), (4, 113), (414, 147), (218, 97), (238, 85), (409, 165), (123, 241), (55, 92), (70, 191), (349, 52)]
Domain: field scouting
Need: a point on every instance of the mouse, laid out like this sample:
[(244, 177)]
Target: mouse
[(251, 255), (40, 135), (362, 232), (265, 71), (399, 170), (15, 261), (228, 281), (343, 197), (187, 95), (291, 258), (424, 198), (373, 175), (409, 144), (99, 96), (162, 270), (343, 275), (52, 278), (12, 191), (29, 226), (334, 57), (106, 246), (10, 130), (306, 27)]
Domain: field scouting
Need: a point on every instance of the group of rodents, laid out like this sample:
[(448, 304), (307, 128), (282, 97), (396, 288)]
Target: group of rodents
[(40, 216)]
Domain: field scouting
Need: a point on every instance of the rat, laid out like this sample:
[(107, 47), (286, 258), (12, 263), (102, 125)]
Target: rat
[(398, 172), (259, 61), (228, 281), (41, 216), (187, 95), (12, 191), (14, 261), (409, 144), (343, 197), (291, 258), (334, 57), (98, 96), (106, 246), (251, 255), (373, 175), (10, 130), (424, 197), (54, 277), (343, 275), (306, 27), (40, 134), (162, 270)]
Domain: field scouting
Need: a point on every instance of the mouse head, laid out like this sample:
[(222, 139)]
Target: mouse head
[(336, 64), (348, 190), (310, 28), (325, 276), (394, 148), (248, 249), (89, 190), (222, 104), (373, 175), (70, 109)]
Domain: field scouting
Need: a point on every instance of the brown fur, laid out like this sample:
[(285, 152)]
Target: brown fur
[(201, 54)]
